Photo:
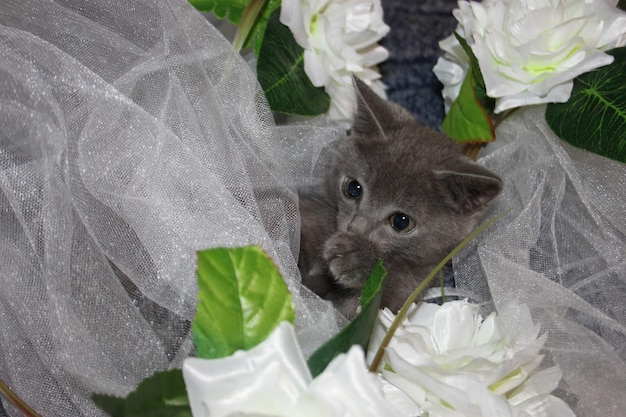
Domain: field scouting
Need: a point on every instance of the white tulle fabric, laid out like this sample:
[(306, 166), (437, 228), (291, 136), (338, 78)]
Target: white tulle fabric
[(561, 251), (132, 135)]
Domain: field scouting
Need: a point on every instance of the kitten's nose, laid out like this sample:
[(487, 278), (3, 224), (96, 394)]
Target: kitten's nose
[(359, 224)]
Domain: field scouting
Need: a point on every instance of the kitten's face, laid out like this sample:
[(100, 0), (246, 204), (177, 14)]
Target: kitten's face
[(388, 196), (404, 194)]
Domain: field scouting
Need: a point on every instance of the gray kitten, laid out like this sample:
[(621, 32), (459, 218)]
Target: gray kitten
[(397, 191)]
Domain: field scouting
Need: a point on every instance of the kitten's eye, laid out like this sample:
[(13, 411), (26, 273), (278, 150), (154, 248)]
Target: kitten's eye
[(352, 188), (402, 223)]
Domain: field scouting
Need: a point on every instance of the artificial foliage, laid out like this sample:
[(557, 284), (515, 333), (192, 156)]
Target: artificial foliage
[(242, 298), (594, 118), (280, 71), (251, 15), (359, 330)]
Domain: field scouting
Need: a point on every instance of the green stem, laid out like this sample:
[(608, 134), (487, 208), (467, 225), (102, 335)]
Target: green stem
[(423, 285), (6, 392), (248, 21)]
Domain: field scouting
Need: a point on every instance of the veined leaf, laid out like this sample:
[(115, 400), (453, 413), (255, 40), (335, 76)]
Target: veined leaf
[(358, 331), (280, 71), (594, 118), (161, 395), (467, 120), (242, 298)]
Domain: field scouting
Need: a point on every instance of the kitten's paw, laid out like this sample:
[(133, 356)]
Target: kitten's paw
[(350, 259)]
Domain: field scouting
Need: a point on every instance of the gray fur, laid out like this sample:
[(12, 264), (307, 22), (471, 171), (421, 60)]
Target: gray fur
[(402, 167)]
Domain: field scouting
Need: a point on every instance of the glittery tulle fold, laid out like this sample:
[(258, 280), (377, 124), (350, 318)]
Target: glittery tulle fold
[(562, 252), (132, 135)]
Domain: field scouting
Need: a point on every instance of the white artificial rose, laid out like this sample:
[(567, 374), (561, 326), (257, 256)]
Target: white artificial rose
[(340, 39), (273, 380), (451, 69), (452, 362), (529, 51), (268, 378)]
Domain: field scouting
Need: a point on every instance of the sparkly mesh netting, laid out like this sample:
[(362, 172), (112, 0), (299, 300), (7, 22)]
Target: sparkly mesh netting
[(132, 135), (562, 251)]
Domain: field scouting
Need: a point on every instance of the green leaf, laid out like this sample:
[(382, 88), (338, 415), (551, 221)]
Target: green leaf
[(467, 120), (374, 285), (249, 19), (359, 330), (234, 10), (161, 395), (280, 71), (594, 118), (261, 26), (113, 406), (242, 298), (474, 64), (478, 85), (231, 9)]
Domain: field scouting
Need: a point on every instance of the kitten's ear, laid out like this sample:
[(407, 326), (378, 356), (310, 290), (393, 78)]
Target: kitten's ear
[(469, 188), (373, 113)]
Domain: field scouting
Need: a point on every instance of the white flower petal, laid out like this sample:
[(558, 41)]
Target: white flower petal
[(315, 69), (453, 326), (529, 51), (341, 41), (423, 381), (615, 25), (422, 314), (558, 94), (541, 383), (505, 383), (373, 55), (593, 60), (239, 383), (291, 15), (358, 18), (273, 380), (347, 388), (486, 372), (343, 101), (449, 72), (451, 75), (488, 331), (544, 406), (399, 399), (458, 391)]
